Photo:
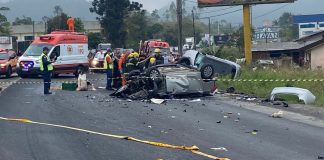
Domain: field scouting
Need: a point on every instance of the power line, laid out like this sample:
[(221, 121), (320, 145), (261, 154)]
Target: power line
[(217, 10), (223, 14), (271, 11)]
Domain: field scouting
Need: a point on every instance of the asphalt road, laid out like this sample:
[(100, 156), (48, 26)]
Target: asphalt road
[(211, 123)]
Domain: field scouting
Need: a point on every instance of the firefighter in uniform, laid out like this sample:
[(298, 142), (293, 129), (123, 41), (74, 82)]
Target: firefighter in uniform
[(109, 66), (46, 68), (157, 58)]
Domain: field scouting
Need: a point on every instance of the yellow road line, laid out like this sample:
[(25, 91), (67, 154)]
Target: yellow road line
[(194, 149)]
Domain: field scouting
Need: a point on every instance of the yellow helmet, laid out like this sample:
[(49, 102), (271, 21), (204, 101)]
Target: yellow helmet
[(157, 50), (131, 55), (152, 60), (136, 55)]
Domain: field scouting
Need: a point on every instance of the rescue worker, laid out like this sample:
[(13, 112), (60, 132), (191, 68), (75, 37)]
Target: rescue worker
[(109, 66), (157, 58), (121, 66), (46, 68)]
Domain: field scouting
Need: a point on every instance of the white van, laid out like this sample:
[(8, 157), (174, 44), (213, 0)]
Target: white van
[(68, 48)]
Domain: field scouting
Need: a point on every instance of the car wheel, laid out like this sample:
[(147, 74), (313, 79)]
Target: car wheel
[(22, 75), (207, 72), (9, 72), (153, 73)]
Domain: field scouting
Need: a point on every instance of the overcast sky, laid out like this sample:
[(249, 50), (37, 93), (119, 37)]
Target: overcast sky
[(150, 5)]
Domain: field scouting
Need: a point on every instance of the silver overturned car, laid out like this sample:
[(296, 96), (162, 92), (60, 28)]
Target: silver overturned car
[(216, 66), (194, 73), (163, 81)]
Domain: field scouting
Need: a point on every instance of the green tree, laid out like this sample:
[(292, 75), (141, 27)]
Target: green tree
[(95, 39), (155, 15), (136, 24), (155, 31), (288, 30), (111, 15), (78, 25), (4, 24), (173, 11), (24, 20), (59, 21)]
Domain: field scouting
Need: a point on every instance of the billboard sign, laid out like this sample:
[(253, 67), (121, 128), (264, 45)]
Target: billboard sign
[(214, 3)]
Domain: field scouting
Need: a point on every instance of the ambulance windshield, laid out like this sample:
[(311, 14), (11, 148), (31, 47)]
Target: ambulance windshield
[(36, 49)]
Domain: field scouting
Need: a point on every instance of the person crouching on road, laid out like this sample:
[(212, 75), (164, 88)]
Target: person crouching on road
[(109, 66), (46, 68)]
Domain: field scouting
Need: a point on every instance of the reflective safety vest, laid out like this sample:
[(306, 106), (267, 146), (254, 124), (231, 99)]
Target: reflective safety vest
[(110, 65), (49, 66)]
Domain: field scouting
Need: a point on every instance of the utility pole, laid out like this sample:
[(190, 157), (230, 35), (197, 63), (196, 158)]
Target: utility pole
[(179, 16), (247, 33), (209, 31), (194, 30), (33, 30)]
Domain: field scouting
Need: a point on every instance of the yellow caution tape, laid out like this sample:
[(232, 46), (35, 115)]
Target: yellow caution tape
[(194, 149)]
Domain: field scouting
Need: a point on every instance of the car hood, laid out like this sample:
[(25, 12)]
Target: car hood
[(3, 61)]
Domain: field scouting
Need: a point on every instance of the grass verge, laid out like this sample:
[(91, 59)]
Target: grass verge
[(263, 89)]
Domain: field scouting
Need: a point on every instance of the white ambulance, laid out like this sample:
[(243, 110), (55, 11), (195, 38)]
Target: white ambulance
[(70, 49)]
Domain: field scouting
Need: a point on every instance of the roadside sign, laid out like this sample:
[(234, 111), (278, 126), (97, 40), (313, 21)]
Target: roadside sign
[(213, 3)]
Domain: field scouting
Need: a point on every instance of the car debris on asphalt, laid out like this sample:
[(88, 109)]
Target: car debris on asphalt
[(278, 114), (157, 101), (303, 94), (219, 149)]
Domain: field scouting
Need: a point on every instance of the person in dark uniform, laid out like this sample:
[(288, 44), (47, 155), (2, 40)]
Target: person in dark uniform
[(46, 68)]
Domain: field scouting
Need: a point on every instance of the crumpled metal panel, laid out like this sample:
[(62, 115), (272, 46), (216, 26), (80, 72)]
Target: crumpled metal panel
[(303, 94), (187, 83)]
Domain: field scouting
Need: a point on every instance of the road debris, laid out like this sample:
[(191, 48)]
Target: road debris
[(219, 122), (219, 149), (320, 157), (278, 114), (303, 94), (157, 101), (196, 100)]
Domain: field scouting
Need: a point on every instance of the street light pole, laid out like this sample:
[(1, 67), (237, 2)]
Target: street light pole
[(194, 30), (179, 16)]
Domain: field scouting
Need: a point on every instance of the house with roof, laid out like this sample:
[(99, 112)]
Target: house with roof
[(309, 24), (306, 52)]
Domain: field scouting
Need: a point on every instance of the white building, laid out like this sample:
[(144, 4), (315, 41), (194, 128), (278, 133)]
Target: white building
[(309, 24)]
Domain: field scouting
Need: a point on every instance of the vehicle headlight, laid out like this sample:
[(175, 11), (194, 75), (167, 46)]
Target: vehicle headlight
[(3, 65)]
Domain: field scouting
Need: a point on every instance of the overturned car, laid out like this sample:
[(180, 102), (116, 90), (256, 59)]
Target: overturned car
[(163, 81), (194, 74)]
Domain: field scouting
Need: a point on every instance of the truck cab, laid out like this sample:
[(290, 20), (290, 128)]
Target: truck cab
[(68, 49)]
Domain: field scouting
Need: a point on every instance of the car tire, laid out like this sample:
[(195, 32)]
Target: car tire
[(22, 75), (9, 72), (153, 73), (207, 72)]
